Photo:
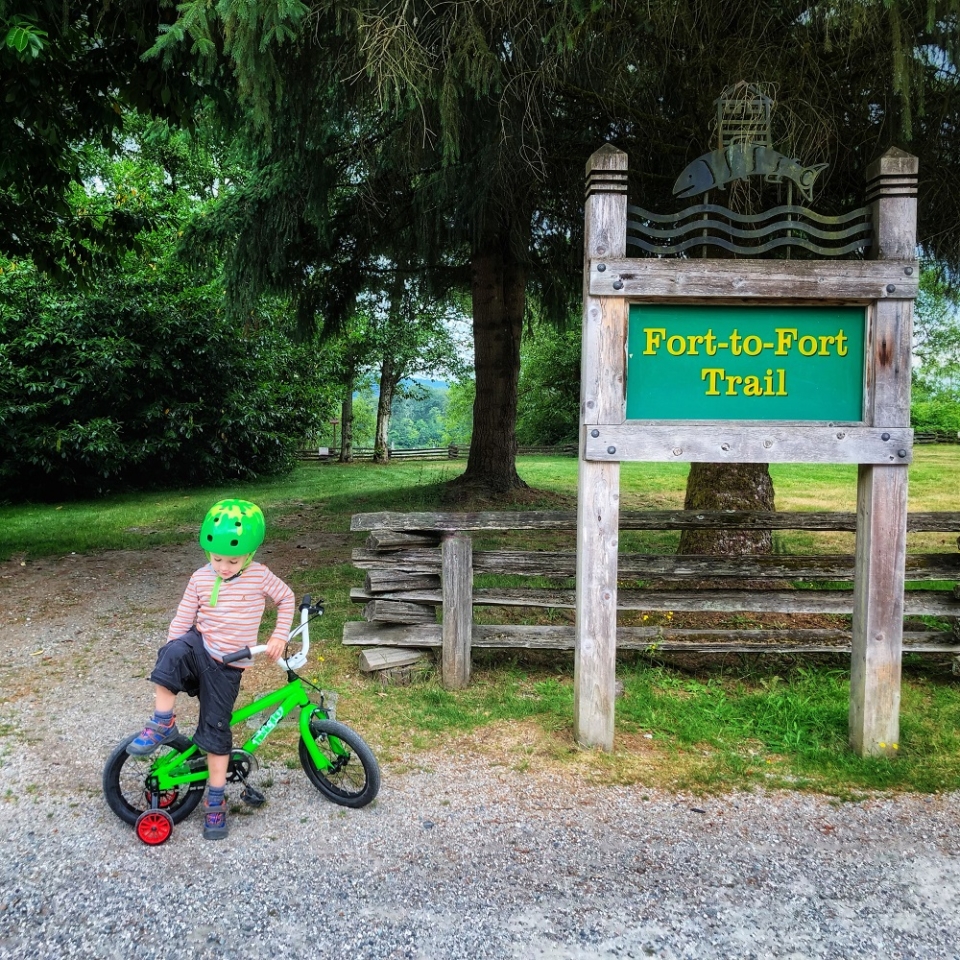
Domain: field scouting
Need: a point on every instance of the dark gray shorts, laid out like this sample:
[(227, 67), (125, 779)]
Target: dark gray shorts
[(184, 666)]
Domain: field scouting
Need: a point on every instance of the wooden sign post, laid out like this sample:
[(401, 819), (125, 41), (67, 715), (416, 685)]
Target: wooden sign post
[(598, 481), (747, 351), (882, 490)]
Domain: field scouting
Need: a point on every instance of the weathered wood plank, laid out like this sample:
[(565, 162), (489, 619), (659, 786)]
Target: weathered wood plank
[(395, 539), (443, 521), (920, 522), (433, 597), (933, 603), (641, 566), (942, 522), (427, 559), (874, 720), (386, 580), (651, 279), (739, 443), (398, 611), (388, 658), (358, 633), (602, 400), (457, 585)]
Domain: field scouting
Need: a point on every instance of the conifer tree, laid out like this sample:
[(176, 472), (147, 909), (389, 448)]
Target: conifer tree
[(457, 132)]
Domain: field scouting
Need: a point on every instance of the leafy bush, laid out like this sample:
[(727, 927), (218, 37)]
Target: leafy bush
[(143, 382), (940, 413), (935, 401), (548, 402)]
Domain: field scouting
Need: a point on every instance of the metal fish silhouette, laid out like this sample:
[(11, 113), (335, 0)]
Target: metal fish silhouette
[(742, 160)]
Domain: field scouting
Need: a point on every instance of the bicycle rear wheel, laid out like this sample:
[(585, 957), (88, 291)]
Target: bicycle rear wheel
[(353, 777), (126, 784)]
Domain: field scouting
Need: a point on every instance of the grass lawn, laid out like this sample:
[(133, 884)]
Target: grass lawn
[(743, 721)]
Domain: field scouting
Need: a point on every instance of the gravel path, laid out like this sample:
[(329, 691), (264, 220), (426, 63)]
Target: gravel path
[(458, 858)]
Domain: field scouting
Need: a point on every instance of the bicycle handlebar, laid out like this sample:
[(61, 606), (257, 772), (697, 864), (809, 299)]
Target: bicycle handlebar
[(245, 654), (302, 632)]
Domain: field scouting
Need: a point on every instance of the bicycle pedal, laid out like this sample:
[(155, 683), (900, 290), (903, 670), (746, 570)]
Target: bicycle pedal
[(252, 797)]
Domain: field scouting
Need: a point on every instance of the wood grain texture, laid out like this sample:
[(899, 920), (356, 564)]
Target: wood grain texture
[(780, 281), (733, 442), (457, 584), (945, 522), (602, 398)]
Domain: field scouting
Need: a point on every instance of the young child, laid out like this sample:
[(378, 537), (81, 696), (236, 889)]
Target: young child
[(219, 614)]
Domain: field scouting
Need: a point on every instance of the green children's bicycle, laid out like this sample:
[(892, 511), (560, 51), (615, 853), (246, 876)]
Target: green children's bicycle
[(155, 792)]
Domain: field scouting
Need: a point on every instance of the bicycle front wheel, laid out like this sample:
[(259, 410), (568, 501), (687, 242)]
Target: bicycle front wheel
[(352, 778), (126, 784)]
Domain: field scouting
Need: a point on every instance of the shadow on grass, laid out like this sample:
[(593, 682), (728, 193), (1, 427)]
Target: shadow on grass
[(441, 496)]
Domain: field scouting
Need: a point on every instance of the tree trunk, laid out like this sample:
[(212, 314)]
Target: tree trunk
[(388, 385), (499, 300), (728, 486), (346, 424)]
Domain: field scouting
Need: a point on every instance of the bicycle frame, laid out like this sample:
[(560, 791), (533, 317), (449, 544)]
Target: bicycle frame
[(175, 769)]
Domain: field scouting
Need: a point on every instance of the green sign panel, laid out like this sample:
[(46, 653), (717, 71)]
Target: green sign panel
[(745, 363)]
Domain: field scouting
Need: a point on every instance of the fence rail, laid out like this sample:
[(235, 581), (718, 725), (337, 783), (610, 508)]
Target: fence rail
[(451, 452), (454, 452), (936, 436), (324, 455), (412, 559)]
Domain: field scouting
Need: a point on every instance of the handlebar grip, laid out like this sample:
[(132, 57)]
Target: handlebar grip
[(243, 654), (305, 602)]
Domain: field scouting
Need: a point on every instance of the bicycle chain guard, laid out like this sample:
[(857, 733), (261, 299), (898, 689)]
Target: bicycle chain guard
[(242, 764)]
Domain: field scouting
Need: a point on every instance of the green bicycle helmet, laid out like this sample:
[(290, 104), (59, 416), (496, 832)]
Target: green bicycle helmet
[(232, 528)]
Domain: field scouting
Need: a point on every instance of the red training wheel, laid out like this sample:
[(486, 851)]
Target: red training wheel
[(154, 826)]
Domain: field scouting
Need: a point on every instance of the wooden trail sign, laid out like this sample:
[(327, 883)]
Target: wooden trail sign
[(749, 360)]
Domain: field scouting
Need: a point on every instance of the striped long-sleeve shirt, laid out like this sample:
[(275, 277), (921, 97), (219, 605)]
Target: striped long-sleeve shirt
[(235, 621)]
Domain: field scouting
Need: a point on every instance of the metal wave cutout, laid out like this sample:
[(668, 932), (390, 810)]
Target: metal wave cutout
[(799, 227)]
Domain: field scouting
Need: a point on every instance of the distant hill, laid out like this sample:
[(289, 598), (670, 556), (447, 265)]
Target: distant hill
[(431, 384)]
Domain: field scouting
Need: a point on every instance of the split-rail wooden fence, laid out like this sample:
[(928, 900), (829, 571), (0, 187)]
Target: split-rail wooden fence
[(451, 452), (326, 455), (419, 589)]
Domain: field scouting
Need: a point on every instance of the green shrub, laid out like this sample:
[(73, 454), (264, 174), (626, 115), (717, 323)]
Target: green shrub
[(936, 414), (140, 383), (548, 401)]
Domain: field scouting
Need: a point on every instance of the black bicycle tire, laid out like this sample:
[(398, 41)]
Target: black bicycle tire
[(359, 748), (113, 793)]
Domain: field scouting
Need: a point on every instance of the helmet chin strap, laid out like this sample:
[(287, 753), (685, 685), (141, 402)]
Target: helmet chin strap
[(215, 592)]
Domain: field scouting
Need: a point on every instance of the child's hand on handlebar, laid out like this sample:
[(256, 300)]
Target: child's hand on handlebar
[(276, 646)]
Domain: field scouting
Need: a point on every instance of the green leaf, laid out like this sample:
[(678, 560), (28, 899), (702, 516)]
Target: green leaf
[(18, 39), (25, 39)]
